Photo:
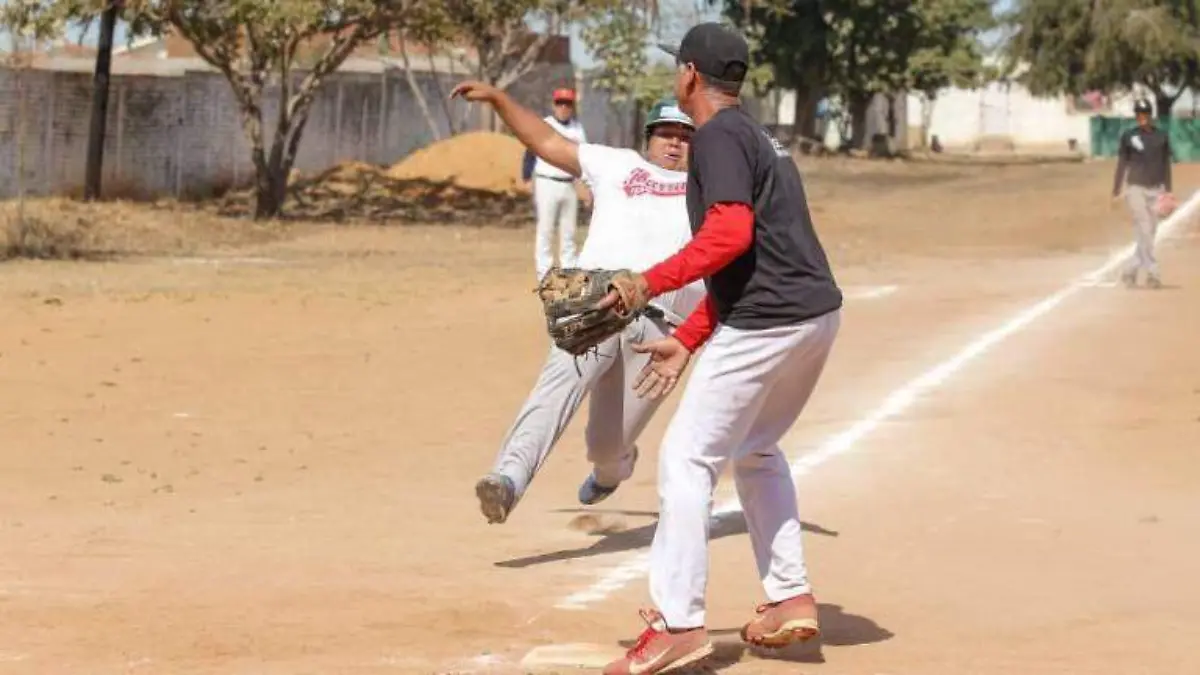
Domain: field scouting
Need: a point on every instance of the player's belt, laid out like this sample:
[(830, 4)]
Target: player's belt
[(560, 179)]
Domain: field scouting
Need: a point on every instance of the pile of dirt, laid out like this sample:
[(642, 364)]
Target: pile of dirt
[(471, 178), (479, 160)]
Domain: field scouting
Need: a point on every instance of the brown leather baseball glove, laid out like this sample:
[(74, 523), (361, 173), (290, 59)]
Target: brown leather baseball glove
[(569, 299)]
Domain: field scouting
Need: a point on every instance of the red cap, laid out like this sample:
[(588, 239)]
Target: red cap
[(564, 95)]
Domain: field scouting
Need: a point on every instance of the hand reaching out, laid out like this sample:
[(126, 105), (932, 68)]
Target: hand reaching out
[(668, 359), (475, 91)]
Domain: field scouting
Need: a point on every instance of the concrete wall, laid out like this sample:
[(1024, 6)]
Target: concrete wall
[(1006, 115), (175, 129)]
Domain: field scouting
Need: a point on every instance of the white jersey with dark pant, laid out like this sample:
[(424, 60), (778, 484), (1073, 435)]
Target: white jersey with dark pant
[(639, 216)]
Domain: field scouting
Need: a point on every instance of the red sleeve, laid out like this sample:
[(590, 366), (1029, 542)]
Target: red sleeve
[(726, 233), (699, 325)]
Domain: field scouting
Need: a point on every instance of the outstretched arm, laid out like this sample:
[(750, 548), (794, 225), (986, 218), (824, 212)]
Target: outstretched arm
[(530, 129)]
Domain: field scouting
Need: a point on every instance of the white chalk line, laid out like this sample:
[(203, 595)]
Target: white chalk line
[(869, 292), (228, 261), (616, 578)]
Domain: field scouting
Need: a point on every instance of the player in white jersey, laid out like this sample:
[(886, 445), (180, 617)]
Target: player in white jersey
[(555, 201), (639, 216)]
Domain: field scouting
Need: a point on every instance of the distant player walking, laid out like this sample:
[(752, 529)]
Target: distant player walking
[(640, 216), (1144, 169), (770, 318), (555, 201)]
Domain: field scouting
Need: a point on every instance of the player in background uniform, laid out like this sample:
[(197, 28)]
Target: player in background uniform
[(639, 217), (556, 203), (769, 319), (1144, 169)]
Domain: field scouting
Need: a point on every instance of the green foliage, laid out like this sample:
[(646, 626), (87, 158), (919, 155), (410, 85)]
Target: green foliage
[(948, 50), (870, 44), (29, 20), (499, 30), (856, 47), (1076, 46), (788, 40), (618, 39)]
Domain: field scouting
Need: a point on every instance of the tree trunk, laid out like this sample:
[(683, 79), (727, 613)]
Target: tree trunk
[(488, 119), (928, 101), (860, 106), (892, 122), (266, 205), (271, 172), (273, 169), (437, 84), (1163, 102), (805, 137), (270, 187), (415, 86)]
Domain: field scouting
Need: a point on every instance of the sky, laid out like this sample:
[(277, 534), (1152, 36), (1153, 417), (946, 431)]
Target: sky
[(677, 15), (677, 12)]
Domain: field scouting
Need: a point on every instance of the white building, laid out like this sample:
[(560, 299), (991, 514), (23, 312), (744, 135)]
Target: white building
[(1005, 116)]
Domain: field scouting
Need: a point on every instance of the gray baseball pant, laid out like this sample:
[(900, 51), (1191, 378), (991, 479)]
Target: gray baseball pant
[(616, 416), (1141, 202)]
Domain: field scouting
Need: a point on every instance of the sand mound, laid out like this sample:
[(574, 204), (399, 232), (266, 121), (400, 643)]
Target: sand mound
[(478, 160), (470, 178)]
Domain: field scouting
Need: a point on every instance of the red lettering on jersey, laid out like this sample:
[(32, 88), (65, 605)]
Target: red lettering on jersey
[(640, 182)]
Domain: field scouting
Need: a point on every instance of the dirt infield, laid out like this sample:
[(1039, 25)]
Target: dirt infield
[(260, 459)]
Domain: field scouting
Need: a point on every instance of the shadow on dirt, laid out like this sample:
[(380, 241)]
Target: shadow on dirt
[(616, 541)]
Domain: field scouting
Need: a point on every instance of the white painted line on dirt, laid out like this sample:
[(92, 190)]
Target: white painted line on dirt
[(899, 401), (228, 261), (869, 292)]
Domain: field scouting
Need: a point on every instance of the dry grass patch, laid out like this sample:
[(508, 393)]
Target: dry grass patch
[(55, 228)]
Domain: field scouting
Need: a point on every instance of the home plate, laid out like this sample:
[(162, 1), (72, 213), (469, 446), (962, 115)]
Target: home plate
[(574, 655)]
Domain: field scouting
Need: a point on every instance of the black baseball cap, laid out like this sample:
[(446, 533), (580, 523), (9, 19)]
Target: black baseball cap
[(1142, 106), (715, 51)]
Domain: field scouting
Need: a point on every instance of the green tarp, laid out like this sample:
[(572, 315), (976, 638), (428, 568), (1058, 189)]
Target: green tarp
[(1185, 136)]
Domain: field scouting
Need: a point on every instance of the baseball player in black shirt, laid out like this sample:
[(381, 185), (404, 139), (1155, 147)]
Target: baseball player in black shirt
[(1144, 169), (769, 321)]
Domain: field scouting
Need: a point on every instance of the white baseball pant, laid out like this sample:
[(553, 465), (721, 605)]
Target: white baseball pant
[(616, 416), (747, 389), (1142, 203), (557, 208)]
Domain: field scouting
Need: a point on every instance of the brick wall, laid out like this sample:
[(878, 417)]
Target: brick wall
[(179, 132)]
